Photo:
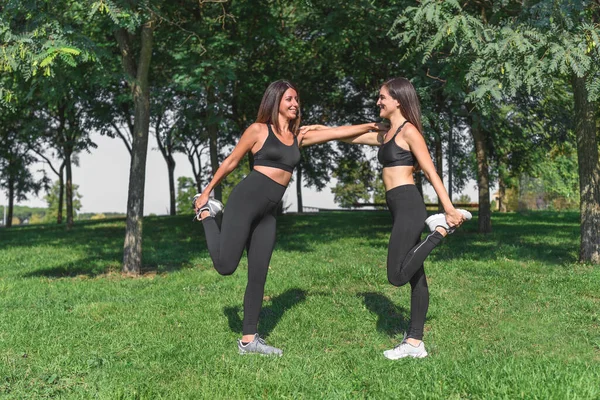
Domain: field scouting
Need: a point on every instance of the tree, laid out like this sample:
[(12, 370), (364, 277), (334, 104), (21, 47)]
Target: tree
[(166, 120), (64, 107), (61, 180), (135, 35), (355, 178), (16, 143), (529, 50), (186, 189), (53, 199)]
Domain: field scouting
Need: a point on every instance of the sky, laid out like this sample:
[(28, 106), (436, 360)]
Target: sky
[(103, 179)]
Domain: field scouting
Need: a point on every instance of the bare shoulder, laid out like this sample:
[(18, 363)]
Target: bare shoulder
[(411, 134), (255, 131)]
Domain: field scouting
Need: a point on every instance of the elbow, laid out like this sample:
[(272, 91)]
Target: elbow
[(229, 165)]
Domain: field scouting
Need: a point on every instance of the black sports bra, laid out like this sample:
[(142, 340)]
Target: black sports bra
[(275, 154), (392, 155)]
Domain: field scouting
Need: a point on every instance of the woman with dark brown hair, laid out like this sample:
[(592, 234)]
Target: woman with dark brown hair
[(249, 218), (401, 149)]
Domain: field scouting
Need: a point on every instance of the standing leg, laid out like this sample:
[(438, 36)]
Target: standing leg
[(260, 249), (419, 303), (405, 264)]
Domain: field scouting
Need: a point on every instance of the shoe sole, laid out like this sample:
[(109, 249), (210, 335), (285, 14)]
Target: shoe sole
[(242, 353), (421, 355)]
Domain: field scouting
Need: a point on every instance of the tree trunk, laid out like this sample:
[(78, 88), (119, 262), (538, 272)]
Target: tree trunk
[(483, 175), (196, 172), (419, 182), (213, 131), (450, 155), (171, 168), (11, 201), (439, 156), (299, 188), (61, 194), (69, 189), (589, 173), (502, 195), (166, 150), (138, 76)]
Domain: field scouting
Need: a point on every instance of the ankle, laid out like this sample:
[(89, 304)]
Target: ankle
[(413, 341), (247, 338)]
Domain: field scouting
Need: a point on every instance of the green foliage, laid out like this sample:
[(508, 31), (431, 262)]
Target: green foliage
[(39, 41), (355, 180), (463, 198), (227, 184), (52, 198), (508, 47), (33, 214), (92, 216), (186, 189), (378, 190), (17, 138), (554, 183)]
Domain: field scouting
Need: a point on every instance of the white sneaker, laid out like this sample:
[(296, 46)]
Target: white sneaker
[(440, 220), (405, 349)]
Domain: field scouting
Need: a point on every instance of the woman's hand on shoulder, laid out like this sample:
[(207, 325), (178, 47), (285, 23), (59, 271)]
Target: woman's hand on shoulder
[(306, 128)]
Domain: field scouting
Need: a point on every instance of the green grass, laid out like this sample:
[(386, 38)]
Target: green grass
[(512, 315)]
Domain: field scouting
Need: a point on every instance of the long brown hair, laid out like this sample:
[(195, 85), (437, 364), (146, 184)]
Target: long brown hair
[(404, 92), (268, 112)]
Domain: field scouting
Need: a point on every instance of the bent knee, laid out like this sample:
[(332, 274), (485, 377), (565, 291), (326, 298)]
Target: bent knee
[(226, 268), (396, 281)]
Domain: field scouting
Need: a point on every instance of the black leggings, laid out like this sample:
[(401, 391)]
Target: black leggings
[(406, 251), (248, 221)]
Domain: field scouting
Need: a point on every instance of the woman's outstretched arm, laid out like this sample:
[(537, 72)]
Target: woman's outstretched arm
[(315, 134)]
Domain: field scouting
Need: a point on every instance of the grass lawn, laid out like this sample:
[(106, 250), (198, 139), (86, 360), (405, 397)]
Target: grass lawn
[(512, 315)]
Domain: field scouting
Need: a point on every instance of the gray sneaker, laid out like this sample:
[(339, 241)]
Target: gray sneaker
[(440, 220), (405, 349), (258, 346), (213, 206)]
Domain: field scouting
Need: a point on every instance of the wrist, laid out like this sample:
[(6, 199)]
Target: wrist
[(448, 208)]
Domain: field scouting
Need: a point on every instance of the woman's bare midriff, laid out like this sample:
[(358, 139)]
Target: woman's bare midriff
[(397, 176), (278, 175)]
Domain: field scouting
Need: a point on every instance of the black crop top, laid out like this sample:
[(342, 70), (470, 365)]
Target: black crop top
[(392, 155), (275, 154)]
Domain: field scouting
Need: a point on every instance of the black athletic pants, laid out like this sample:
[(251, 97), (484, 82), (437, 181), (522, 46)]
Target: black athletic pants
[(248, 222), (406, 251)]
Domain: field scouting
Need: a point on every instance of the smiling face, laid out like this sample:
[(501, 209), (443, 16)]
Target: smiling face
[(288, 107), (387, 105)]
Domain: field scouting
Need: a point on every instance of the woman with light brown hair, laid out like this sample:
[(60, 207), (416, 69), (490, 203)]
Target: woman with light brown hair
[(401, 150)]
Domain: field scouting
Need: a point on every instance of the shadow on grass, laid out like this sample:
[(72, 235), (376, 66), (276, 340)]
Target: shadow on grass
[(548, 237), (269, 315), (391, 318), (172, 243)]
